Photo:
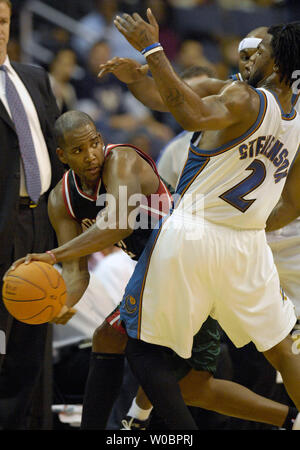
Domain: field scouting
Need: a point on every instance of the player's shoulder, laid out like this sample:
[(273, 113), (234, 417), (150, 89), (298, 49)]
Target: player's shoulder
[(238, 88), (56, 203), (238, 95), (216, 84), (122, 161), (121, 154)]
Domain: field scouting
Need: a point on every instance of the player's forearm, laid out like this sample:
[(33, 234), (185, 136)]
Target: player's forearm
[(93, 240), (282, 215), (184, 104), (112, 225), (145, 90)]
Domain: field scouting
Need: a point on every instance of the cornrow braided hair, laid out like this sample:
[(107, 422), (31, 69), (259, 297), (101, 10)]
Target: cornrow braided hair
[(285, 48)]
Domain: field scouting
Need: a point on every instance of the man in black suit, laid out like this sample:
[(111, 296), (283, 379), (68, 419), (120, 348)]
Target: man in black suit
[(29, 168)]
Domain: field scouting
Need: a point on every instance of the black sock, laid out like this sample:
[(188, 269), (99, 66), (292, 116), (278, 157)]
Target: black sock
[(102, 388), (153, 369), (291, 416)]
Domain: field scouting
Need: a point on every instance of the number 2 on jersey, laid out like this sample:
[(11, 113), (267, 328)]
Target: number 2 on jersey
[(235, 195)]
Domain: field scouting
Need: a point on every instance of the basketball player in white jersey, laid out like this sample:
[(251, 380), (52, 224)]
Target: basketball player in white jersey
[(72, 205), (250, 139), (284, 242)]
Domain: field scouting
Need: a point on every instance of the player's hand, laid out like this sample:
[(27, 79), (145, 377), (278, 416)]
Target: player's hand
[(125, 69), (139, 34), (64, 315), (44, 257)]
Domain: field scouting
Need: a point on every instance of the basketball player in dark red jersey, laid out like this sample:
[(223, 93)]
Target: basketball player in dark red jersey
[(97, 170)]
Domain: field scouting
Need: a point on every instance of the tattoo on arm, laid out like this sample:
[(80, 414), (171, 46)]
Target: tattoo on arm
[(171, 95), (174, 97)]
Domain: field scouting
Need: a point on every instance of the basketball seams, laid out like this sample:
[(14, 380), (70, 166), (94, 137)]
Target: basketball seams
[(62, 301), (43, 292), (39, 313), (51, 282)]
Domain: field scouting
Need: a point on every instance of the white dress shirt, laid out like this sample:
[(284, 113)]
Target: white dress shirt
[(35, 127)]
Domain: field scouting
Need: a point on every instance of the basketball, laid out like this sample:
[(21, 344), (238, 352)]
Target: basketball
[(34, 293)]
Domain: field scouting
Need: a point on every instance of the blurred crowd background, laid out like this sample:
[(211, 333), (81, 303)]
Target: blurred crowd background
[(71, 38)]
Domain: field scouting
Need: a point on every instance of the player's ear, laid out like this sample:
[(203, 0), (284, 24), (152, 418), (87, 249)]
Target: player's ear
[(276, 68), (61, 155), (100, 137)]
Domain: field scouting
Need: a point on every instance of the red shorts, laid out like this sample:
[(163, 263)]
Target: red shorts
[(114, 320)]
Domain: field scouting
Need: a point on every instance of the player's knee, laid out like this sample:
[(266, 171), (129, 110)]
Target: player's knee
[(197, 389), (280, 353), (108, 340)]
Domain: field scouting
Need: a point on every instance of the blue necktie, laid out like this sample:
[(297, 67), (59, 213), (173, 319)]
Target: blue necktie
[(19, 117)]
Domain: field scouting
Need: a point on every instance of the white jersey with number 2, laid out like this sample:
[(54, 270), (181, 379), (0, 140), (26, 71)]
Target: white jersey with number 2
[(242, 181)]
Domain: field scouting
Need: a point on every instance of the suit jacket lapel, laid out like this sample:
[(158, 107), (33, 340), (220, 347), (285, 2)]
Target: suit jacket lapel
[(5, 116)]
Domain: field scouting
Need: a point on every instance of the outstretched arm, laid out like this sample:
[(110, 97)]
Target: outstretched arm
[(138, 82), (143, 87), (288, 207), (190, 111)]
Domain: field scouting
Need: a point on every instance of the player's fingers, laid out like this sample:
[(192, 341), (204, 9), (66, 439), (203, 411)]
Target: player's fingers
[(124, 23), (137, 17), (113, 60), (14, 266), (120, 27), (117, 60), (64, 319), (28, 258), (64, 315), (143, 69), (128, 18), (103, 72), (108, 62), (59, 321), (151, 18), (109, 67)]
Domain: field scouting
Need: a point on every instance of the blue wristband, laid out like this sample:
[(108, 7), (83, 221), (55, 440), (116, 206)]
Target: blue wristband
[(150, 47)]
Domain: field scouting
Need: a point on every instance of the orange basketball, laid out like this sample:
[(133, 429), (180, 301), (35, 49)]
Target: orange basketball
[(34, 293)]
